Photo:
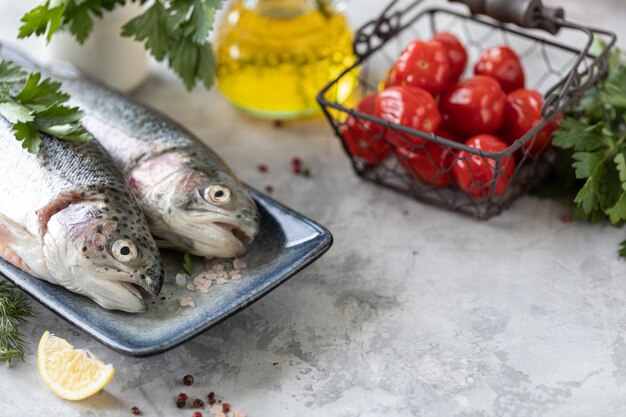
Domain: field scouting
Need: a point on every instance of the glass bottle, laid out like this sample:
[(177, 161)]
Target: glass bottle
[(275, 55)]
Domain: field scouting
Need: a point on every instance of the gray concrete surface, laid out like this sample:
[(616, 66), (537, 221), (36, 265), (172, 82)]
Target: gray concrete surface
[(428, 314)]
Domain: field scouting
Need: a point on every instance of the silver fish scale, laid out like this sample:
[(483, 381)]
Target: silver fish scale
[(146, 132), (82, 165)]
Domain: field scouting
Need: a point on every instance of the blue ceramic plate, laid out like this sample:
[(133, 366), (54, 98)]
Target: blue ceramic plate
[(287, 243)]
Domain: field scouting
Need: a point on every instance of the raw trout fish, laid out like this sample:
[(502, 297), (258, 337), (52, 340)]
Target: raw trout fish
[(191, 199), (67, 217)]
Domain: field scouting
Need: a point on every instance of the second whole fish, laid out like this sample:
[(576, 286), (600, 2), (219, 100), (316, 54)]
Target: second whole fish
[(191, 198)]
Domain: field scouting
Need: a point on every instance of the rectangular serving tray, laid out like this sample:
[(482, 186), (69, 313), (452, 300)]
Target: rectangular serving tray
[(287, 243)]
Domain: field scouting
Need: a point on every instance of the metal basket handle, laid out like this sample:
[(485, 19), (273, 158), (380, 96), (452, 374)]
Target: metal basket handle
[(531, 14), (377, 31)]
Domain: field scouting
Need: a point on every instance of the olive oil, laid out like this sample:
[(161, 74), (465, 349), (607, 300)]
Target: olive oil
[(275, 55)]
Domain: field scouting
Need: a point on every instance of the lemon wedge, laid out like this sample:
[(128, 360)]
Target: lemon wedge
[(72, 374)]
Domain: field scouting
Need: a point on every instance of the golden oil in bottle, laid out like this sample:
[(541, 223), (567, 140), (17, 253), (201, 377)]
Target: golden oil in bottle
[(275, 55)]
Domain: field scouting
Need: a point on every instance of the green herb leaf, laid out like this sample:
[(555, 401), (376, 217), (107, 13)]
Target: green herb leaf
[(593, 138), (187, 264), (15, 112), (38, 108), (10, 72), (172, 30)]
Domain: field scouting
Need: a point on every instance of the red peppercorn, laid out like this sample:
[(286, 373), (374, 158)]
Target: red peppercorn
[(188, 380), (212, 400), (198, 403), (296, 165), (225, 407), (181, 400), (197, 414), (211, 394), (262, 168), (566, 218), (135, 410)]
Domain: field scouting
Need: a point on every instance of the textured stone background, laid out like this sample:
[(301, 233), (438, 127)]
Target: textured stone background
[(429, 314)]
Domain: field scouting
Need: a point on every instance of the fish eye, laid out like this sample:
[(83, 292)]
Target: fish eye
[(217, 194), (124, 250)]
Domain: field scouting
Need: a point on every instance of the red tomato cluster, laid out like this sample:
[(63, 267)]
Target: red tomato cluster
[(422, 91)]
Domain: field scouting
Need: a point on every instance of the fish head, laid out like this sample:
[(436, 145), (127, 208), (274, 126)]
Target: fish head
[(101, 247), (205, 211)]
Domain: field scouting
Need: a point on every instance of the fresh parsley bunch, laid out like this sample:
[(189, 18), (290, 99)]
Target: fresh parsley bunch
[(176, 30), (593, 139), (39, 106)]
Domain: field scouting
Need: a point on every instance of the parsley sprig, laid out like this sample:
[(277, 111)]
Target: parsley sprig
[(187, 264), (14, 309), (592, 137), (172, 30), (38, 106)]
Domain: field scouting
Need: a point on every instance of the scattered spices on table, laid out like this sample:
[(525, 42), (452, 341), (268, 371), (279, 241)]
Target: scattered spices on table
[(135, 410), (181, 279), (296, 165), (187, 302), (262, 168), (239, 264), (181, 400), (197, 403), (188, 380)]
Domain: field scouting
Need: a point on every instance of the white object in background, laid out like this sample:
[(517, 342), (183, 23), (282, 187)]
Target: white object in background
[(119, 62)]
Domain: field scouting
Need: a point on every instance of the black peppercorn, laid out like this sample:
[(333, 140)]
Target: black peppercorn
[(188, 380)]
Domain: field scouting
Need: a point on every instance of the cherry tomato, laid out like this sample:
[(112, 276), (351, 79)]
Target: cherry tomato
[(474, 174), (421, 64), (502, 64), (409, 106), (430, 163), (457, 55), (364, 138), (446, 134), (522, 111), (473, 106)]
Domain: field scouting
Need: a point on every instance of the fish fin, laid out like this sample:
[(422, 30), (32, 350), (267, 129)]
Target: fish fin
[(13, 235), (12, 232), (164, 244)]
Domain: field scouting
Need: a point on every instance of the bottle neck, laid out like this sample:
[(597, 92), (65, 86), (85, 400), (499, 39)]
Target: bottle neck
[(285, 9)]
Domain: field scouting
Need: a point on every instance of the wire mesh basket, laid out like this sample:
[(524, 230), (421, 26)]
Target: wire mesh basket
[(558, 61)]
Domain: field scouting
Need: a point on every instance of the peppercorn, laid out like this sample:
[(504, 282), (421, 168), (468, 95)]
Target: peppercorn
[(296, 165), (225, 407), (269, 189), (188, 380), (181, 400), (197, 414), (262, 168), (212, 400), (135, 410), (198, 403)]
